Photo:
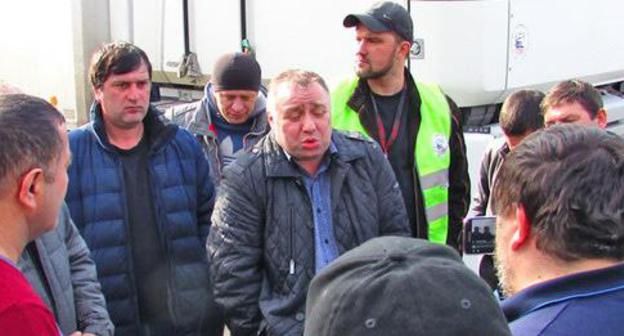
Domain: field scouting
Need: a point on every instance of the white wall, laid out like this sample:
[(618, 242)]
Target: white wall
[(37, 49), (285, 33), (469, 45), (566, 39), (156, 26), (306, 34)]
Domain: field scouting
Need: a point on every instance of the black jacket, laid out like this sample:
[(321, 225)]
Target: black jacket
[(459, 189), (261, 246)]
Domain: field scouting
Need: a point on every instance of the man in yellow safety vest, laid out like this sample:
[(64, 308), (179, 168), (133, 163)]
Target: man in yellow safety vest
[(417, 126)]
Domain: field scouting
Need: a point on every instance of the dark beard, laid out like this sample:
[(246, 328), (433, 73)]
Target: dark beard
[(373, 74)]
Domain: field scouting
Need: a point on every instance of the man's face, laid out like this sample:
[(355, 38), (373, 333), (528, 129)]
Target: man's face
[(377, 53), (504, 267), (300, 121), (571, 113), (125, 98), (54, 189), (236, 106)]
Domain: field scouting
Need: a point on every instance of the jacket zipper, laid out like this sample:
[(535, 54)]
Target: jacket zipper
[(291, 264)]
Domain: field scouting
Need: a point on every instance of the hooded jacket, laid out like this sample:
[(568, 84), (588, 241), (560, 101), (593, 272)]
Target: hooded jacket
[(197, 118)]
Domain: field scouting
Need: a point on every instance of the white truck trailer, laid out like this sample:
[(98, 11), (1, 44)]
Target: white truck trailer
[(479, 51)]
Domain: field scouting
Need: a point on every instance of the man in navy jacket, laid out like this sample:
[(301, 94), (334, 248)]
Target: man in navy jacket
[(141, 195), (560, 232)]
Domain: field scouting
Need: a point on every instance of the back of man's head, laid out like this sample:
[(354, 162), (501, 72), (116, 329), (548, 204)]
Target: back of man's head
[(395, 286), (521, 113), (116, 58), (29, 137), (573, 91), (569, 179)]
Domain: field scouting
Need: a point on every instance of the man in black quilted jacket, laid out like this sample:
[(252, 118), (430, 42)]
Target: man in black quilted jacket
[(286, 209)]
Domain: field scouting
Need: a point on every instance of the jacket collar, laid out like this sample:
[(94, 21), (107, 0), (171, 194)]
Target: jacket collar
[(570, 287), (360, 102), (277, 163), (156, 125)]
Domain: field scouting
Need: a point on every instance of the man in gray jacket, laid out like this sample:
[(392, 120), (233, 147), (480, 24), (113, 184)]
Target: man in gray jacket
[(232, 114), (59, 268), (286, 209)]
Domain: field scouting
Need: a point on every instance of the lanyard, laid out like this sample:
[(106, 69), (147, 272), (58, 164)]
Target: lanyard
[(384, 141)]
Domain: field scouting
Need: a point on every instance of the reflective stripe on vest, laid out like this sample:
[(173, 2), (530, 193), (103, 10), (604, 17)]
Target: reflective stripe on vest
[(432, 151), (433, 158)]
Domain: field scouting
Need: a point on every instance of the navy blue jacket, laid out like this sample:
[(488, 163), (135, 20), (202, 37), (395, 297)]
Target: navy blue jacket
[(183, 197), (587, 303)]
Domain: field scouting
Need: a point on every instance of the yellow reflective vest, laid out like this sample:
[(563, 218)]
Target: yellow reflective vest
[(432, 153)]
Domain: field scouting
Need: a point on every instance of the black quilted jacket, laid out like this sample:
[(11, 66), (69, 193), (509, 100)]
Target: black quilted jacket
[(261, 244)]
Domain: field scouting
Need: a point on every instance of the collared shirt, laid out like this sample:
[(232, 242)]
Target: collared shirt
[(319, 191), (586, 303)]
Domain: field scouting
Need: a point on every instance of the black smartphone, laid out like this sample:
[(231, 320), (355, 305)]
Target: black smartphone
[(479, 233)]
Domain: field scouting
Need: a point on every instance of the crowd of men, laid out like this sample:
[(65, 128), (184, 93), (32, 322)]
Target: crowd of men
[(304, 209)]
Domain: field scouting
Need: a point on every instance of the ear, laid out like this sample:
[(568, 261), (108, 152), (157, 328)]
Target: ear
[(601, 118), (30, 188), (404, 48), (97, 93), (270, 118), (523, 229)]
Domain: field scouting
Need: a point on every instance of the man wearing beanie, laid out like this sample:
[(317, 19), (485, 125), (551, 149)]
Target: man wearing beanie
[(231, 116)]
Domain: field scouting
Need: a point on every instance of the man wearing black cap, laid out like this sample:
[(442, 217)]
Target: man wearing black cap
[(396, 286), (416, 125), (232, 114)]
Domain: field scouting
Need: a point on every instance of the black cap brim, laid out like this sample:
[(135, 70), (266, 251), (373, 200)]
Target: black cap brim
[(368, 21)]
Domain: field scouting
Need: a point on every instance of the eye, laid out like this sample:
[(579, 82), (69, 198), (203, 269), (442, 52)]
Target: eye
[(293, 115), (227, 98), (318, 110), (142, 84)]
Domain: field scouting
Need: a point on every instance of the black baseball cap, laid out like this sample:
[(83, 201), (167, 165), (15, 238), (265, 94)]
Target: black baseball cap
[(397, 286), (382, 17)]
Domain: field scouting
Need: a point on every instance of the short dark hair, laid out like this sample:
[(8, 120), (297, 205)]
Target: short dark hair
[(521, 112), (116, 58), (570, 181), (29, 136), (571, 91)]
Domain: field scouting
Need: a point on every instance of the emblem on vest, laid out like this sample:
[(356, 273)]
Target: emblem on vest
[(440, 144)]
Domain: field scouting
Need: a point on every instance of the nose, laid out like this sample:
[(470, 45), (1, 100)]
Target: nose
[(134, 92), (309, 125), (237, 104), (361, 47)]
